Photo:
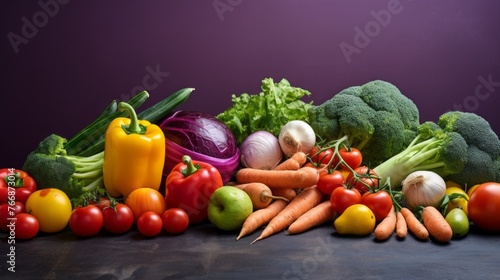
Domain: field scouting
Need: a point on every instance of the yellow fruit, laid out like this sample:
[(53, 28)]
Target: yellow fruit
[(357, 219), (450, 184), (51, 207), (458, 202), (470, 190)]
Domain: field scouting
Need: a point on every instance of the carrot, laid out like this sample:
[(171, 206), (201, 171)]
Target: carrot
[(414, 225), (261, 217), (293, 163), (436, 224), (260, 194), (401, 226), (304, 201), (386, 227), (316, 216), (286, 193), (301, 178)]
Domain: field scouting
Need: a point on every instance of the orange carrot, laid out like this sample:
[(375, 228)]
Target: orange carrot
[(304, 201), (261, 217), (301, 178), (414, 225), (316, 216), (386, 227), (436, 224), (260, 194), (286, 193), (401, 226), (293, 163)]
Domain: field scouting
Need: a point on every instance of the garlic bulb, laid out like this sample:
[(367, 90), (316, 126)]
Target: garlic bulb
[(296, 136), (423, 188)]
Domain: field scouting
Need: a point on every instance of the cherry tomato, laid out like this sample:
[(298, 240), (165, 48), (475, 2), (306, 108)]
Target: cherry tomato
[(352, 157), (484, 206), (379, 202), (175, 220), (118, 219), (86, 221), (320, 156), (329, 181), (149, 224), (27, 226), (8, 211), (341, 198), (366, 176), (145, 199)]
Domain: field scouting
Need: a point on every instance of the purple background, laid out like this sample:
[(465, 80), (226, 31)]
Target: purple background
[(87, 53)]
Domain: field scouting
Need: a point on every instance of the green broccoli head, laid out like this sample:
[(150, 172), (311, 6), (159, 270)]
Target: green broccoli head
[(51, 167), (376, 117)]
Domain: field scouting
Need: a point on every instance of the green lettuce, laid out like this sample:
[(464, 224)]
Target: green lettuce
[(269, 110)]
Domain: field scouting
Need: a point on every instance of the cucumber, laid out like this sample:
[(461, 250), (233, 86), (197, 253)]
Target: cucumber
[(153, 114)]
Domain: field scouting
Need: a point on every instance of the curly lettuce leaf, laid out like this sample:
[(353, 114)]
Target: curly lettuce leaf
[(269, 110)]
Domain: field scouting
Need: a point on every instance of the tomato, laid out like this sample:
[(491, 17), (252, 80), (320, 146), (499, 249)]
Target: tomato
[(341, 198), (86, 221), (27, 226), (8, 211), (367, 179), (320, 155), (149, 224), (484, 206), (329, 181), (145, 199), (118, 219), (379, 202), (175, 220), (352, 157), (102, 204), (51, 207), (15, 185)]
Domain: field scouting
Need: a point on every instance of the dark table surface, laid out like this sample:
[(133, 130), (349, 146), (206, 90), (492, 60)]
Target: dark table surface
[(203, 252)]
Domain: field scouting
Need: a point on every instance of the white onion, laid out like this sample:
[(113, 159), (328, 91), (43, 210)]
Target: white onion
[(296, 136), (423, 188), (261, 150)]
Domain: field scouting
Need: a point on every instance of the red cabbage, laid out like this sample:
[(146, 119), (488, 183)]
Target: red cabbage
[(202, 137)]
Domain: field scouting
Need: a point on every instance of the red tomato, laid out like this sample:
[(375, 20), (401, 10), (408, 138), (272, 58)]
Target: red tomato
[(379, 202), (118, 219), (146, 199), (320, 155), (175, 220), (352, 157), (86, 221), (103, 203), (16, 184), (484, 206), (329, 181), (149, 224), (365, 177), (27, 226), (341, 198), (8, 211)]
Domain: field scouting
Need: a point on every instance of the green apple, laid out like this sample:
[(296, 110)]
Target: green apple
[(228, 208)]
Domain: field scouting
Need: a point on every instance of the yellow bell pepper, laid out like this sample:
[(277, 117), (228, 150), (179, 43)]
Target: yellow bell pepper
[(134, 154)]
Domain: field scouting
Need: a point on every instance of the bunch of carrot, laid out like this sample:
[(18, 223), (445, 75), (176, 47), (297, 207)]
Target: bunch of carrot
[(306, 206)]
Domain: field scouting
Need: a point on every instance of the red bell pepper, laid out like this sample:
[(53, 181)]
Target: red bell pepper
[(15, 185), (189, 187)]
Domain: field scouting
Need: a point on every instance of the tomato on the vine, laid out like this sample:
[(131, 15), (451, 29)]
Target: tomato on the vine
[(329, 181), (149, 224), (341, 198), (320, 155), (27, 226), (366, 179), (379, 202), (484, 206), (118, 219), (8, 211), (86, 221), (352, 157), (175, 220)]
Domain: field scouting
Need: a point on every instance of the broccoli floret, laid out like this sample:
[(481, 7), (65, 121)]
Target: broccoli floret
[(376, 117), (460, 147), (51, 167)]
